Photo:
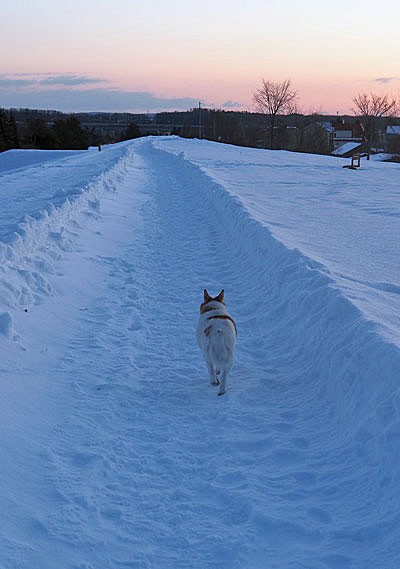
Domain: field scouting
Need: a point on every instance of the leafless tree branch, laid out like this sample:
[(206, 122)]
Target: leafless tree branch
[(272, 99)]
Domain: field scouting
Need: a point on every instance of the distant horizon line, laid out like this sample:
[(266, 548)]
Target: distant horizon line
[(149, 113)]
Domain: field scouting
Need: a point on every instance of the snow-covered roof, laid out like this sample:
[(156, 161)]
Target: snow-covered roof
[(393, 130), (345, 148), (327, 125)]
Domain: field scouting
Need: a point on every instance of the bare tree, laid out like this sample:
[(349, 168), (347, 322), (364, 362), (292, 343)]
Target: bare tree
[(273, 99), (370, 108)]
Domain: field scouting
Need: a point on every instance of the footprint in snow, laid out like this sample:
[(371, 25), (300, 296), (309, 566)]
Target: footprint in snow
[(135, 325), (305, 478), (285, 457), (283, 427), (81, 459), (300, 442), (319, 515)]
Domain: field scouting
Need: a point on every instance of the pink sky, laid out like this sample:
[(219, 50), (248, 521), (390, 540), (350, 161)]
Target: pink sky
[(137, 56)]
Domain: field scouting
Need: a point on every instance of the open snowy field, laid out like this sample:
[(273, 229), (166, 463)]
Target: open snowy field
[(114, 449)]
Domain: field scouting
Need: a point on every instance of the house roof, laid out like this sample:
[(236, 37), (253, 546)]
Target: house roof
[(327, 125), (346, 147), (393, 130)]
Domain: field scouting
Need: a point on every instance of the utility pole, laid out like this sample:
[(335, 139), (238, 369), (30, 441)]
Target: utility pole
[(200, 120)]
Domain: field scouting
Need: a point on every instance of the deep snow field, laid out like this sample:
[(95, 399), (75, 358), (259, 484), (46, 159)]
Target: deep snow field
[(115, 452)]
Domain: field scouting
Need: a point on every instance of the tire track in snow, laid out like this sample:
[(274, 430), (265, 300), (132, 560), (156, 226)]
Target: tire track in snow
[(149, 468)]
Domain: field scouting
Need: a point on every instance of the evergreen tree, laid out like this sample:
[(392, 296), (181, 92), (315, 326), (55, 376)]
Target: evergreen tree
[(8, 131), (41, 135), (12, 130), (132, 131), (70, 135), (3, 129)]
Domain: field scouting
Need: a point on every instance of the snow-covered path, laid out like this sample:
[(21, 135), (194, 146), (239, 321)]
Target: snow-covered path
[(136, 463)]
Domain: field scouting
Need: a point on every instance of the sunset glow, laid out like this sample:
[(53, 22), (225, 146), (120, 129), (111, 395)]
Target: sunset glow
[(134, 56)]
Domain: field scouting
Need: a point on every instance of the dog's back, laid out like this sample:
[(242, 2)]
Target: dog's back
[(216, 335)]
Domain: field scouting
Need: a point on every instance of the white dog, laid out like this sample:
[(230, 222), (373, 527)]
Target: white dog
[(216, 335)]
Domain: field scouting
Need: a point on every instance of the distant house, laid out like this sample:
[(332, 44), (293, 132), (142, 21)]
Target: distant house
[(392, 141), (327, 125), (330, 132), (346, 131), (317, 137)]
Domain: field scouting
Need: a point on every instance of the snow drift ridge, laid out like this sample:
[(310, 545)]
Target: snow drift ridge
[(37, 243), (345, 388), (345, 362)]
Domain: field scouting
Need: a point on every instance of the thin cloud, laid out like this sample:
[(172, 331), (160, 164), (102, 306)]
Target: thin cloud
[(386, 80), (37, 81), (71, 80), (71, 92), (13, 83), (100, 99)]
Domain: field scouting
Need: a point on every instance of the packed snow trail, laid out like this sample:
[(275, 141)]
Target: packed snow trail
[(125, 456)]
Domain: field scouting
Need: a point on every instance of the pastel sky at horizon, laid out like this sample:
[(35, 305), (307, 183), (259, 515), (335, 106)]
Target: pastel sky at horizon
[(138, 56)]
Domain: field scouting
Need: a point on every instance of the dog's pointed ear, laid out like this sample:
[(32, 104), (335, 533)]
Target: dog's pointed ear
[(221, 296), (207, 297)]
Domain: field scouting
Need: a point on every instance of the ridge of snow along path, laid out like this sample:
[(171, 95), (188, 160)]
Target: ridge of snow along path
[(115, 451)]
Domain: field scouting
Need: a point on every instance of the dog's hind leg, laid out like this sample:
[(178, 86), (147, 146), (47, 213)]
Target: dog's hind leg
[(222, 381), (213, 374)]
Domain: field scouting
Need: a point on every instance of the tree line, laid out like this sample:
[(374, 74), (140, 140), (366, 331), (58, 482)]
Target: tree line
[(8, 131), (51, 130)]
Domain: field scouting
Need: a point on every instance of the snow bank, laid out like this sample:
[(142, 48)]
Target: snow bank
[(353, 364), (343, 382), (18, 159), (27, 260), (348, 224)]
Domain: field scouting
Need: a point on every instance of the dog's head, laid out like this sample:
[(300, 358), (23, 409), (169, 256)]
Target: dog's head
[(211, 303)]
